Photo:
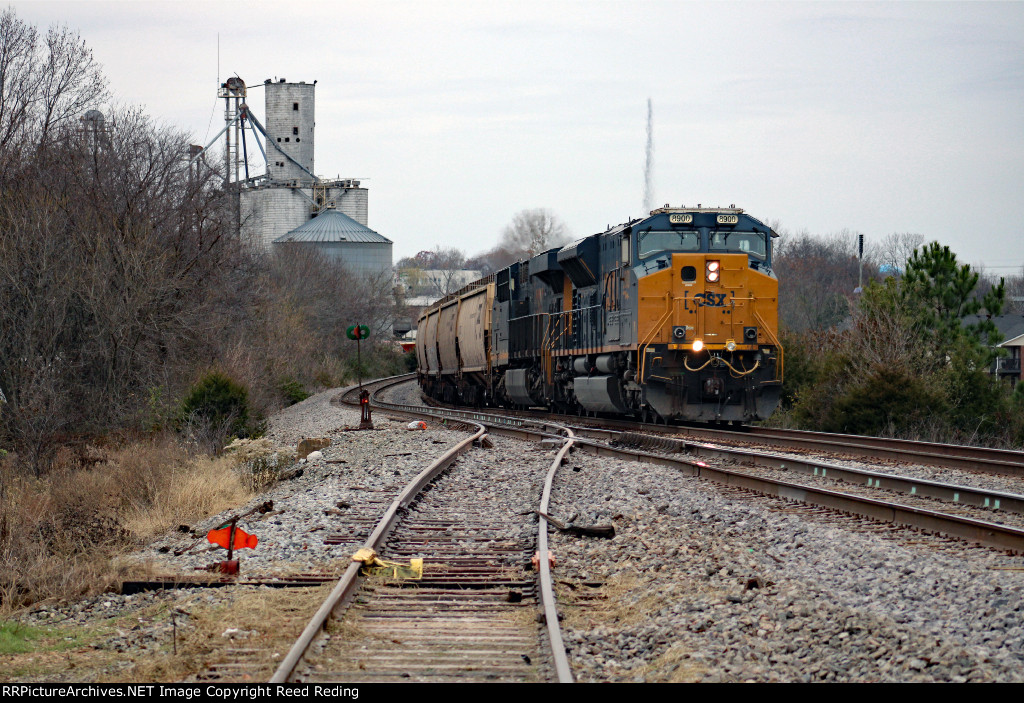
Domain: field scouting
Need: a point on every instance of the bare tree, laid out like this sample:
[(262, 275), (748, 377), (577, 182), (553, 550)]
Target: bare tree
[(534, 231), (817, 276), (434, 273), (121, 278), (18, 71), (896, 248), (445, 267), (43, 85), (112, 256)]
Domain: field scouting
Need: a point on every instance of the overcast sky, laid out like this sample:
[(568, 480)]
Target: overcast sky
[(872, 117)]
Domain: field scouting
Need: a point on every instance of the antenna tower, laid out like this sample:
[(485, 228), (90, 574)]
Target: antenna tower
[(649, 164)]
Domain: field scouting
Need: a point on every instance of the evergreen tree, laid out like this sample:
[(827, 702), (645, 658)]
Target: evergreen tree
[(940, 293)]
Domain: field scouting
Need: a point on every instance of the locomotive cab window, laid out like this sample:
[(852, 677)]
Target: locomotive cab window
[(656, 241), (750, 243)]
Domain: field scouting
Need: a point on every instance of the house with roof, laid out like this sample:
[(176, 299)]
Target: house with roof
[(1011, 330), (1009, 366)]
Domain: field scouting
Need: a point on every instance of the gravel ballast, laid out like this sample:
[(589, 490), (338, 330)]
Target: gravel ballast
[(701, 585)]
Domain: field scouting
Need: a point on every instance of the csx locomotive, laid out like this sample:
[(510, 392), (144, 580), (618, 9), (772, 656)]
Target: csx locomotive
[(673, 316)]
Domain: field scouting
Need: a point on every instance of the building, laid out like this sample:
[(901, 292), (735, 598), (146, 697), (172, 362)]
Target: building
[(1011, 330), (421, 288), (343, 239), (1009, 366), (278, 206)]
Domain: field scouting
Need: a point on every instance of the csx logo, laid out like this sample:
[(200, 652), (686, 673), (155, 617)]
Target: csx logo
[(711, 300)]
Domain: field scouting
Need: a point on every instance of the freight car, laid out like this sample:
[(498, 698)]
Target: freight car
[(673, 316)]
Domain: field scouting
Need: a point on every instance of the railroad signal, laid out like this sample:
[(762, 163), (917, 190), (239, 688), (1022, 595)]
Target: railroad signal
[(357, 332), (365, 421)]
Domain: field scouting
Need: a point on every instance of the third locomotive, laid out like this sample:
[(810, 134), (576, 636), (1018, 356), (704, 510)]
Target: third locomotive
[(674, 316)]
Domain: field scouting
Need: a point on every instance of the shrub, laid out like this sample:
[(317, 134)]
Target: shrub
[(887, 400), (219, 405), (292, 391)]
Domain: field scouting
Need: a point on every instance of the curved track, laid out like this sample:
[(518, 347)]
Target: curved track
[(480, 644), (961, 527), (955, 456)]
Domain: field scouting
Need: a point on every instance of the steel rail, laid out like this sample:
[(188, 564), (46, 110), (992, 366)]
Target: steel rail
[(989, 534), (954, 493), (520, 429), (954, 456), (965, 451), (350, 580), (967, 495), (982, 532), (547, 591), (996, 461)]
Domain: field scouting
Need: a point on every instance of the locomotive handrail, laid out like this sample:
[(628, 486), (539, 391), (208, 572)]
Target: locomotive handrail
[(588, 330), (771, 336), (643, 346)]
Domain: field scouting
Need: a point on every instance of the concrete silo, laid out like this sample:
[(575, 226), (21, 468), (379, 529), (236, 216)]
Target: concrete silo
[(290, 126), (289, 195)]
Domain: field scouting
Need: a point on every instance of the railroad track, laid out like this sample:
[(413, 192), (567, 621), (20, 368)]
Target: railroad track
[(981, 459), (748, 459), (470, 617), (971, 528)]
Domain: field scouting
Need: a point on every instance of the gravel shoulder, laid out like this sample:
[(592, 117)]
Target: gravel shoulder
[(700, 585)]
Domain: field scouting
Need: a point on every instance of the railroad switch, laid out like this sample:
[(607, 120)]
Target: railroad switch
[(230, 537)]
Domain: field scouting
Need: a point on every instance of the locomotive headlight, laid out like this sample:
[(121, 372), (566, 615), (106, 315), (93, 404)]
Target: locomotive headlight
[(713, 271), (731, 345), (697, 345)]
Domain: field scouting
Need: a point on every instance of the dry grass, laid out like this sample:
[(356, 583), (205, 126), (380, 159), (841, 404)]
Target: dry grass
[(140, 646), (674, 666), (271, 618), (60, 535), (618, 603), (180, 491)]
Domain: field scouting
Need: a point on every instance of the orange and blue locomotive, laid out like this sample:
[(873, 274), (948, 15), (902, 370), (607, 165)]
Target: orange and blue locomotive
[(673, 316)]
